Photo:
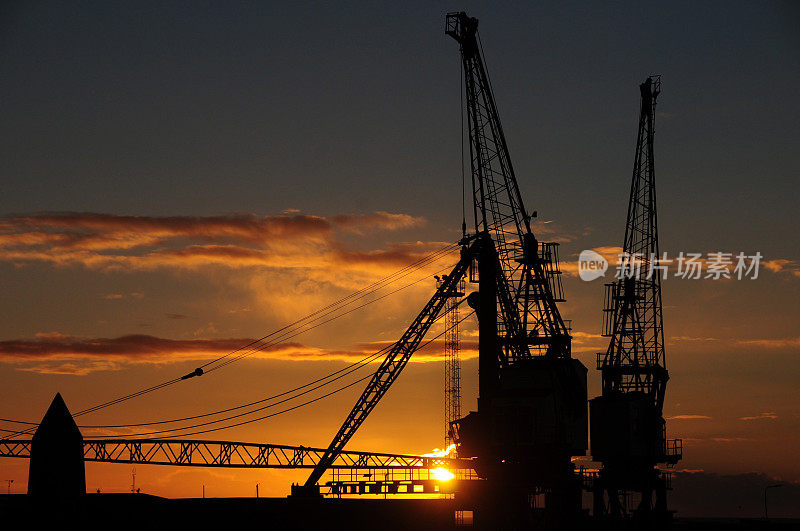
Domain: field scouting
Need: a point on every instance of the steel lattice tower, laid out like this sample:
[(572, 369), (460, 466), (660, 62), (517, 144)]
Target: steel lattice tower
[(528, 286), (627, 424), (531, 415), (452, 363), (634, 361)]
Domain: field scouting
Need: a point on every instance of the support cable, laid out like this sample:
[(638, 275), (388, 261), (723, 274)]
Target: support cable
[(287, 332), (143, 434)]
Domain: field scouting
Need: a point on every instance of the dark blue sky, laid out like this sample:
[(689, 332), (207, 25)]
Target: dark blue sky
[(200, 107)]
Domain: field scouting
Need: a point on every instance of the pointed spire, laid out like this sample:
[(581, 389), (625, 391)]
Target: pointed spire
[(56, 464), (57, 422)]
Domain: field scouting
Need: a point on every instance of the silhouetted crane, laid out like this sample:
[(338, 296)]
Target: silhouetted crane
[(628, 427), (531, 415)]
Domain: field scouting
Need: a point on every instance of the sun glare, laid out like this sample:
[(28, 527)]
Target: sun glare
[(442, 474), (441, 453)]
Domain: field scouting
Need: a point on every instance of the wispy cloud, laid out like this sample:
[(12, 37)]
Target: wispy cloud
[(767, 415), (781, 265), (771, 343), (693, 338), (689, 417), (108, 231), (120, 296), (56, 353), (586, 342), (132, 243)]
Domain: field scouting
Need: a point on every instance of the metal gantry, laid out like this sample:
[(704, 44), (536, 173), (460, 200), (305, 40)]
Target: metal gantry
[(229, 454)]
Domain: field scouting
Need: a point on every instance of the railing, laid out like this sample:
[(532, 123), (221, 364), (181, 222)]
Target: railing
[(673, 450), (601, 357), (610, 300), (397, 481)]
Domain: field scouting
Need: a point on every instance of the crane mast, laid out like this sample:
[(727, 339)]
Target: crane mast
[(531, 416), (634, 361), (628, 427), (528, 285), (452, 361)]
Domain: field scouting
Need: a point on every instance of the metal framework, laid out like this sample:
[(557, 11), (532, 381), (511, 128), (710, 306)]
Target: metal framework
[(635, 361), (229, 454), (394, 362), (397, 481), (628, 427), (518, 274), (452, 362), (530, 323)]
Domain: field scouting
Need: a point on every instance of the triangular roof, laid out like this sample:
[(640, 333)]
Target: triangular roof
[(57, 422)]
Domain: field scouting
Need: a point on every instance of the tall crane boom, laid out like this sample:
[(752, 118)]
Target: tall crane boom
[(530, 322), (635, 361), (393, 364), (628, 427), (531, 416)]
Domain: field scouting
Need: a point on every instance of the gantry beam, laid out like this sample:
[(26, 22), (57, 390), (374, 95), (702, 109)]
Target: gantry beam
[(177, 452)]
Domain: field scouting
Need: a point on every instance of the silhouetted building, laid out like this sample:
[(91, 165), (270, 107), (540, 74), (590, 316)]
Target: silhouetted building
[(56, 466)]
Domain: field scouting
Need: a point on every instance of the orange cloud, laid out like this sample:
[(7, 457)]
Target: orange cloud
[(56, 353), (586, 342), (93, 230), (771, 343), (609, 252), (780, 265), (689, 417), (119, 243), (432, 352), (768, 415), (692, 338), (75, 229)]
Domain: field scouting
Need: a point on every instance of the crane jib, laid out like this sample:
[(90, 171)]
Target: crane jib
[(531, 321)]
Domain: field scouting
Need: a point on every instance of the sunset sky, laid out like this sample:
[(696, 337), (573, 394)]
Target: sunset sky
[(181, 178)]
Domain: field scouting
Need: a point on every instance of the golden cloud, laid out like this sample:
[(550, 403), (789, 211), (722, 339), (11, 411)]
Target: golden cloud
[(767, 415), (56, 353), (787, 342), (119, 243), (780, 265), (612, 256)]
